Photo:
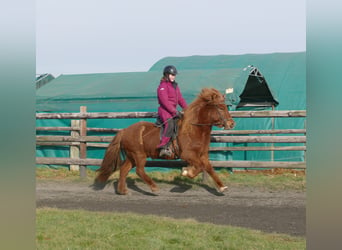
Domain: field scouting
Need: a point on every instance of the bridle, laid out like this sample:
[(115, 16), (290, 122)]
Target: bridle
[(222, 122)]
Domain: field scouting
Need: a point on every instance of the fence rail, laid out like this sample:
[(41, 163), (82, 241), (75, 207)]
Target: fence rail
[(110, 115), (176, 164), (79, 141)]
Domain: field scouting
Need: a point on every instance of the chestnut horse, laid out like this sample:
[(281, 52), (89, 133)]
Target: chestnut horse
[(140, 140)]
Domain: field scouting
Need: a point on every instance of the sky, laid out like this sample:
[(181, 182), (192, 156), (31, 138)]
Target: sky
[(107, 36)]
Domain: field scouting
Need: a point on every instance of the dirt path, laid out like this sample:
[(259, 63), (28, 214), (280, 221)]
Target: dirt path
[(277, 211)]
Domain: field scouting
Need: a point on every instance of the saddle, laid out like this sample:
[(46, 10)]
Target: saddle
[(171, 149)]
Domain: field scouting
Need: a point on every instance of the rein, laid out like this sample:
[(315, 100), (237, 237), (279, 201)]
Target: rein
[(223, 120)]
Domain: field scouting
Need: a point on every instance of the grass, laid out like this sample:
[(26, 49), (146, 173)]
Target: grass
[(273, 179), (68, 229)]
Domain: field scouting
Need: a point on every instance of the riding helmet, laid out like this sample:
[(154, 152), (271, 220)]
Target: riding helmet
[(170, 69)]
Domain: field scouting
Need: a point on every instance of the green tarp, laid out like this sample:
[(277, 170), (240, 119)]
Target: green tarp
[(284, 74)]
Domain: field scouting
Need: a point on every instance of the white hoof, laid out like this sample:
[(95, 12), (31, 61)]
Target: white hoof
[(184, 172), (222, 189)]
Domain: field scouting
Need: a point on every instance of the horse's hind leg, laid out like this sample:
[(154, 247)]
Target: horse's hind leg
[(124, 169), (140, 170)]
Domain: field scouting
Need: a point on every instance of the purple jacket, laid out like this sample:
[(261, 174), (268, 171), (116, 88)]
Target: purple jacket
[(168, 98)]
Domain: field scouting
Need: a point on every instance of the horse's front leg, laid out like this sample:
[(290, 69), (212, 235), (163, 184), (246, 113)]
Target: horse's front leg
[(210, 170), (221, 187), (191, 171), (195, 165), (198, 166)]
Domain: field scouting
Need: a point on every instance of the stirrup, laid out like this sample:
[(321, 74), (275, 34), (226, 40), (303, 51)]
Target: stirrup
[(165, 152)]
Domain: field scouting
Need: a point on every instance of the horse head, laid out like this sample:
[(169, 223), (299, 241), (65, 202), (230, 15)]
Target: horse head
[(224, 118), (218, 113)]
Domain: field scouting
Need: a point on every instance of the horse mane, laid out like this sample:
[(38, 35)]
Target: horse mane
[(208, 96)]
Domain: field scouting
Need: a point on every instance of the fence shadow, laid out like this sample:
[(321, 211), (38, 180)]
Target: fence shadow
[(97, 185)]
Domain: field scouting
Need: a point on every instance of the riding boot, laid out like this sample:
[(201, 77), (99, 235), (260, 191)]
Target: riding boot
[(163, 142), (164, 150)]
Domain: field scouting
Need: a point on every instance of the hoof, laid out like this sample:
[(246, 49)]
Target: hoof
[(123, 193), (155, 190), (222, 189), (184, 172)]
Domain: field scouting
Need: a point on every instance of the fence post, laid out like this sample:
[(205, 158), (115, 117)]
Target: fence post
[(273, 126), (83, 145), (75, 150), (305, 142)]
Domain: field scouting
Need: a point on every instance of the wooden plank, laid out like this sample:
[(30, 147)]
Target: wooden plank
[(101, 115), (178, 163), (260, 139), (233, 164), (105, 145), (67, 161), (237, 139), (94, 115), (38, 143), (270, 148), (214, 132), (260, 164), (269, 113), (249, 132), (56, 128), (110, 130), (43, 138), (114, 130)]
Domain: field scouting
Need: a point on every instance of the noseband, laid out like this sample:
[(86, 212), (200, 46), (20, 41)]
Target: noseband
[(223, 120)]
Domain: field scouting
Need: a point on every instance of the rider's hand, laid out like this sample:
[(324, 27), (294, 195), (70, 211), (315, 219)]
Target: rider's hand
[(179, 114)]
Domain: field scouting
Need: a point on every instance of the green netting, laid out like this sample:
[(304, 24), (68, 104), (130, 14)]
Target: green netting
[(285, 74)]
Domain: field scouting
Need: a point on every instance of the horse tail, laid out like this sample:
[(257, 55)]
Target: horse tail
[(112, 159)]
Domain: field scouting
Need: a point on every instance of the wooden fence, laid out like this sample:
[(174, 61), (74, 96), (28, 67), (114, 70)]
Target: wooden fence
[(78, 141)]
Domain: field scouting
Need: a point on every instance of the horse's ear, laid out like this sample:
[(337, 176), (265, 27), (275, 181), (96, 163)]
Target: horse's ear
[(217, 96), (206, 95), (211, 95)]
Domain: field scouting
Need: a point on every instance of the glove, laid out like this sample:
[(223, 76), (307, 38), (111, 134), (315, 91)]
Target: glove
[(179, 114)]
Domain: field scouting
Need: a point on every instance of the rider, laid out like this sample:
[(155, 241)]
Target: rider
[(169, 96)]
